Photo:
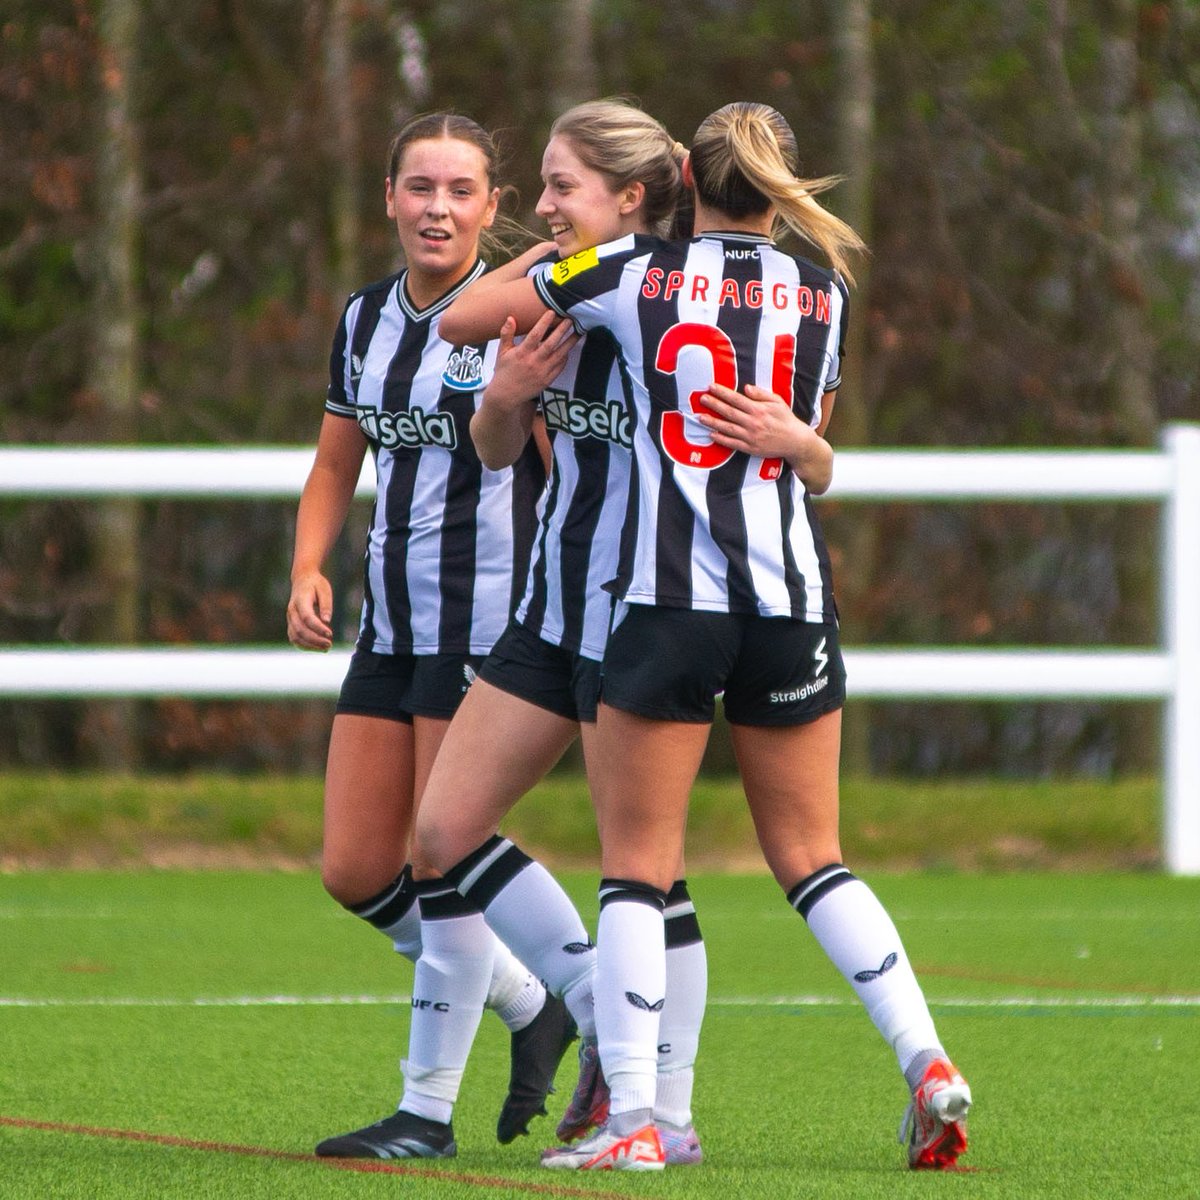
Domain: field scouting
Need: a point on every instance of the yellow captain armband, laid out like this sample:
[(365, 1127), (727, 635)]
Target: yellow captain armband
[(568, 267)]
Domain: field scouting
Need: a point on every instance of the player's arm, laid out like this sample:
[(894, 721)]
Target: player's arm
[(502, 424), (583, 287), (515, 268), (826, 411), (759, 422), (479, 313), (324, 503)]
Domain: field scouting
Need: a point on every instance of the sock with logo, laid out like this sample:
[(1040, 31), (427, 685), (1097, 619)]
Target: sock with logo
[(535, 918), (393, 911), (854, 929), (516, 995), (449, 988), (683, 1012), (631, 983)]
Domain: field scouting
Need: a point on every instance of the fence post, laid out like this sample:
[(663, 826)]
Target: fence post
[(1181, 634)]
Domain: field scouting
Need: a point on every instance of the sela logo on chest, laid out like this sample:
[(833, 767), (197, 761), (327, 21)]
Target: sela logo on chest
[(408, 430), (605, 420), (464, 370)]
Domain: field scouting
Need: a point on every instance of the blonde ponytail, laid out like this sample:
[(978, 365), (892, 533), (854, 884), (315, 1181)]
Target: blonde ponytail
[(743, 161)]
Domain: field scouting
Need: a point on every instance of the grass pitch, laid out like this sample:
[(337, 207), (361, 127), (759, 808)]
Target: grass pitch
[(170, 1034), (48, 819)]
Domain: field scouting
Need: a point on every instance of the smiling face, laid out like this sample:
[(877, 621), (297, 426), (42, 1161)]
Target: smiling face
[(579, 204), (441, 201)]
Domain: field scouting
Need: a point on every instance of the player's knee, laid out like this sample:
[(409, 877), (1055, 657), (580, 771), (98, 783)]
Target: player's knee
[(656, 870), (439, 844), (340, 884), (350, 883), (430, 850), (798, 861)]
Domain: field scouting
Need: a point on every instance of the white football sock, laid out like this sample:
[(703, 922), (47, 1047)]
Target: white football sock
[(631, 981), (683, 1012), (406, 934), (535, 918), (515, 994), (854, 929), (394, 912), (449, 987)]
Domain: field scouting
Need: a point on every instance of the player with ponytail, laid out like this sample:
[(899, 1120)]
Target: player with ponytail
[(723, 586)]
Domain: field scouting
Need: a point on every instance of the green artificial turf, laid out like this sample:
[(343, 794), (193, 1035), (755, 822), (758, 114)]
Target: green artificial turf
[(243, 1016)]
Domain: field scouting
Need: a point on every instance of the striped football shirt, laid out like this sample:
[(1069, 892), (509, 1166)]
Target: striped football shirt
[(582, 509), (448, 543), (707, 527)]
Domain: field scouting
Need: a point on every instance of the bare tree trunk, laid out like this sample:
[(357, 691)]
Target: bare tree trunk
[(329, 27), (1130, 389), (576, 77), (345, 201), (1121, 134), (114, 373), (854, 143)]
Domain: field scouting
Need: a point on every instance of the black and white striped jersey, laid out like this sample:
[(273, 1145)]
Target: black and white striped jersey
[(448, 544), (583, 507), (711, 528)]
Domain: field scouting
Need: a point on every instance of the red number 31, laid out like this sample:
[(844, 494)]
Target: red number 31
[(707, 456)]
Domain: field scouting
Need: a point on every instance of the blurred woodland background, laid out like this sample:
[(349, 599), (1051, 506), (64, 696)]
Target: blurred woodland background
[(188, 192)]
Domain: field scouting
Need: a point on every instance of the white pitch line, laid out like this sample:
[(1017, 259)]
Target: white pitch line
[(63, 914), (196, 1001), (1059, 1002), (992, 917), (1064, 1002)]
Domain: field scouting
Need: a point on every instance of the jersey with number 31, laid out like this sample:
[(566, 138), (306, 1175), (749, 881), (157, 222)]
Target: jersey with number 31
[(708, 527)]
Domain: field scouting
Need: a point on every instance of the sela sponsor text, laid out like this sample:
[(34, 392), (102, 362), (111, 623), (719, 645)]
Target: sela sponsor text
[(408, 429)]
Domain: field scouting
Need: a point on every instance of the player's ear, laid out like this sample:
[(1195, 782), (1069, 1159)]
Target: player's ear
[(390, 197), (685, 168), (630, 200), (493, 206)]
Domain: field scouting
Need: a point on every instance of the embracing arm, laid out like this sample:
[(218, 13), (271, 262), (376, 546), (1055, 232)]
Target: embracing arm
[(759, 422), (480, 312), (515, 268), (324, 503)]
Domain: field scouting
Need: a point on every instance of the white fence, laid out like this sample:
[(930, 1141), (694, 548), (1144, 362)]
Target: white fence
[(1169, 673)]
